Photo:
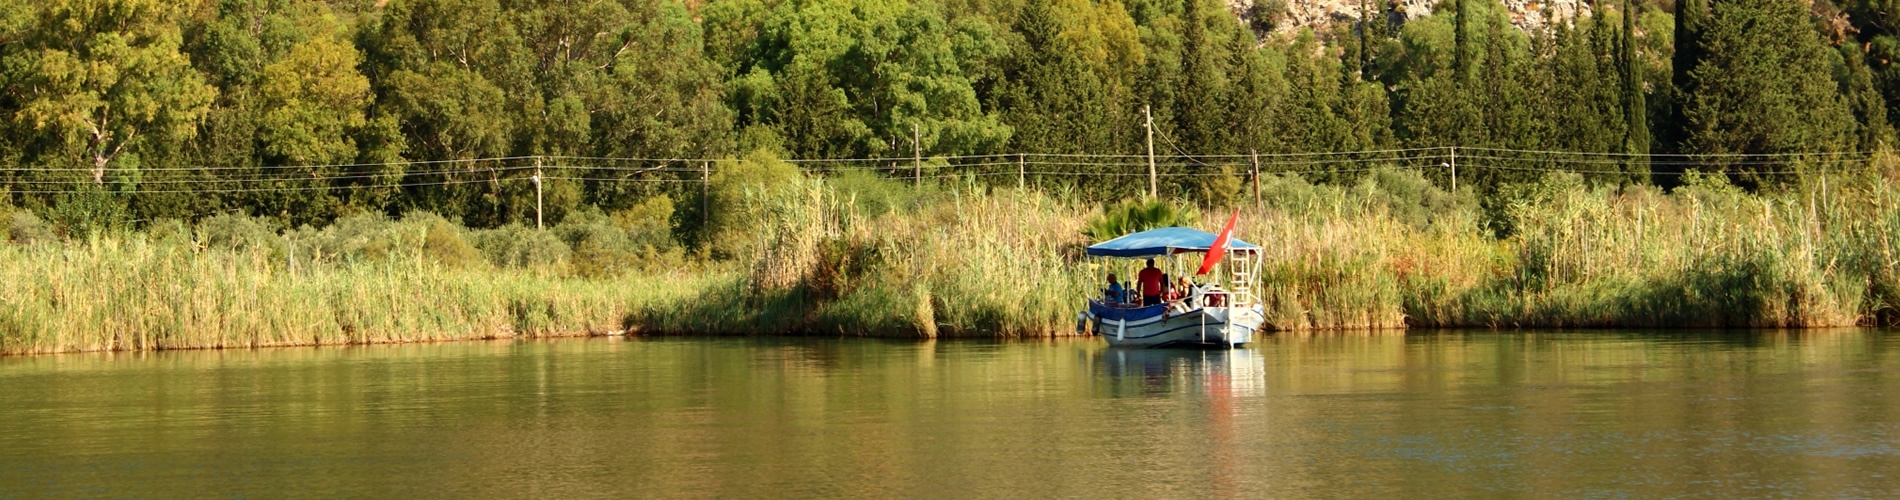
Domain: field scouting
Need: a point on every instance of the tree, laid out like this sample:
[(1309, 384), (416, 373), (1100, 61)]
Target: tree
[(314, 99), (854, 78), (1203, 83), (1635, 102), (1759, 87), (101, 78)]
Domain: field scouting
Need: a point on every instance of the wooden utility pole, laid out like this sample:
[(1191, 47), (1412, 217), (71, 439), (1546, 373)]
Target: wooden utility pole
[(705, 185), (917, 157), (537, 193), (1454, 170), (1022, 172), (1256, 177), (1149, 118)]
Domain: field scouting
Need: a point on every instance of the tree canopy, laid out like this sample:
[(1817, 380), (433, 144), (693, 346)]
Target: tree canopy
[(308, 110)]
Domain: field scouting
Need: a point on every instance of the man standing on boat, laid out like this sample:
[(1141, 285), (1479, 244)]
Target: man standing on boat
[(1150, 284)]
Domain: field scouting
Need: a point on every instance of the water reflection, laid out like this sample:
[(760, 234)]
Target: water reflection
[(1585, 413), (1190, 372)]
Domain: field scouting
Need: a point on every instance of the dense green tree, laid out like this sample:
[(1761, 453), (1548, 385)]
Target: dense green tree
[(1755, 90), (1636, 135), (102, 81), (306, 110)]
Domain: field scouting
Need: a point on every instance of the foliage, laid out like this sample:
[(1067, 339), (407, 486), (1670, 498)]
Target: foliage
[(26, 229), (997, 264), (117, 114), (742, 192), (1138, 215)]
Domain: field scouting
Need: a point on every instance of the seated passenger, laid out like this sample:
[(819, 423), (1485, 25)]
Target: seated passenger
[(1112, 294), (1190, 296)]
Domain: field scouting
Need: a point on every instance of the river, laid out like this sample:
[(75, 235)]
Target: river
[(1571, 414)]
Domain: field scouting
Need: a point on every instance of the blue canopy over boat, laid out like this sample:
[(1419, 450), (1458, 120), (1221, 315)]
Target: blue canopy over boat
[(1164, 241)]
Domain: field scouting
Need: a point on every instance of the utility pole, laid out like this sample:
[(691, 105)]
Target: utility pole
[(537, 193), (1150, 119), (705, 183), (1454, 168), (1022, 172), (1256, 177), (917, 157)]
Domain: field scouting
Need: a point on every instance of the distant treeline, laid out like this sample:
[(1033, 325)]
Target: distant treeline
[(114, 112)]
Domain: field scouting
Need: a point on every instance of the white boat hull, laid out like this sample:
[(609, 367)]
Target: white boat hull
[(1215, 326)]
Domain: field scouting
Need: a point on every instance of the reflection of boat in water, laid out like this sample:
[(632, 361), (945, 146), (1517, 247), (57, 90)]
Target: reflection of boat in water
[(1230, 372), (1211, 314)]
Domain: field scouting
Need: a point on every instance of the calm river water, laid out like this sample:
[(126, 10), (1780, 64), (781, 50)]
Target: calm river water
[(1577, 414)]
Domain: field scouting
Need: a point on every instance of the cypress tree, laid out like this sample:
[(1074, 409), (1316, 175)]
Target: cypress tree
[(1461, 49), (1761, 87), (1635, 105), (1688, 52), (1200, 118)]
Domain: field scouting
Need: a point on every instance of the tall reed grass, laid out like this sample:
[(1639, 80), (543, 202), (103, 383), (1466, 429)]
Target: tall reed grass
[(857, 254)]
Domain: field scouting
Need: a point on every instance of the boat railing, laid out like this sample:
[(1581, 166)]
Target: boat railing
[(1246, 270)]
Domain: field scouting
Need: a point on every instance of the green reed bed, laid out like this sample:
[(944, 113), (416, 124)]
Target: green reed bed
[(855, 254), (951, 262), (132, 293), (1706, 255)]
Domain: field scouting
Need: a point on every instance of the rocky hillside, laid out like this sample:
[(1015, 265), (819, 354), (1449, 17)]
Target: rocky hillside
[(1288, 15)]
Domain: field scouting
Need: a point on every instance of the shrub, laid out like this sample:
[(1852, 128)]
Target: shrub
[(442, 242), (25, 228), (742, 193), (600, 247), (445, 246), (648, 224), (518, 246), (1409, 197), (869, 193), (84, 213), (353, 238), (237, 232), (169, 231)]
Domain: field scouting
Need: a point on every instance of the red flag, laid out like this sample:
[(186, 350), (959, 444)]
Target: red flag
[(1215, 251)]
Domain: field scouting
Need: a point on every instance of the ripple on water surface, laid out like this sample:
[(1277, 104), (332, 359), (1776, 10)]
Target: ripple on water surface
[(1586, 414)]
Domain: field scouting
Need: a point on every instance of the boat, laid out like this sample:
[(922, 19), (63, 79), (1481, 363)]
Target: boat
[(1222, 312)]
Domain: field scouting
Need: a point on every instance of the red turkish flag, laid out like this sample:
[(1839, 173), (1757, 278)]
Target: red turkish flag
[(1215, 251)]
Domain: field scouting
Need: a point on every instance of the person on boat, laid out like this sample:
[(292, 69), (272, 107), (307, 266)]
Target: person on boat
[(1175, 295), (1191, 294), (1150, 279), (1113, 293)]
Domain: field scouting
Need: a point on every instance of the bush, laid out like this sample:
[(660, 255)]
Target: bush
[(442, 241), (353, 238), (25, 228), (743, 192), (237, 232), (648, 224), (1411, 198), (871, 194), (84, 213), (372, 237), (168, 231), (518, 246), (636, 238)]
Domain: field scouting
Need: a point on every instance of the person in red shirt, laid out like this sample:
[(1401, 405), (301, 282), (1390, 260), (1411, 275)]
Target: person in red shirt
[(1150, 279)]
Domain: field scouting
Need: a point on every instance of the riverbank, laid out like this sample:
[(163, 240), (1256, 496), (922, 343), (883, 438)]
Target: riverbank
[(868, 257)]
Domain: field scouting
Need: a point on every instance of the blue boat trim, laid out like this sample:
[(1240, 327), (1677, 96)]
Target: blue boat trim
[(1107, 312), (1170, 330)]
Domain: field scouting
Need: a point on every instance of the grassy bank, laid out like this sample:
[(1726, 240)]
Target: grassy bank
[(854, 254)]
